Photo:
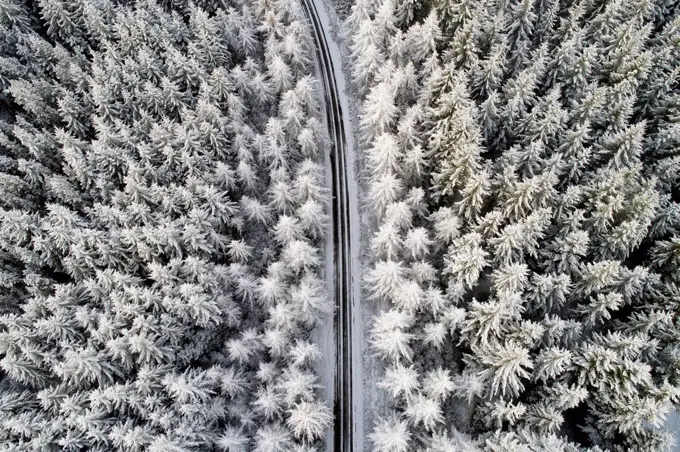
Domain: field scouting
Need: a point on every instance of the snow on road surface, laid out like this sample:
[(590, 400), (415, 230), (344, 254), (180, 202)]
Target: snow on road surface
[(373, 401), (324, 335), (343, 270)]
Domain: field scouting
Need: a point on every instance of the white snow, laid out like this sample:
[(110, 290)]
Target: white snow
[(673, 426), (324, 334), (359, 350)]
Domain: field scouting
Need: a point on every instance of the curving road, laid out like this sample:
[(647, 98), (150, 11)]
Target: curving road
[(347, 408)]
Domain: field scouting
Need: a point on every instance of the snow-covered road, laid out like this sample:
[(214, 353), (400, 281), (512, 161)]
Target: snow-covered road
[(347, 434)]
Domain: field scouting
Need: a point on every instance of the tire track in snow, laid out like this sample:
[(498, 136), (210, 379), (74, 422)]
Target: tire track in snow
[(348, 399)]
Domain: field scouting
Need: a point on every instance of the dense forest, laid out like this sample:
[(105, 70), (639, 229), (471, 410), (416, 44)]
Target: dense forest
[(161, 206), (165, 209), (522, 171)]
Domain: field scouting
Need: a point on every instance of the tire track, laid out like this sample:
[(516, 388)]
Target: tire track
[(343, 435)]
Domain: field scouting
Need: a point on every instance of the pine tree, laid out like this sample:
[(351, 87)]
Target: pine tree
[(309, 420), (388, 335), (128, 158), (391, 434), (423, 410)]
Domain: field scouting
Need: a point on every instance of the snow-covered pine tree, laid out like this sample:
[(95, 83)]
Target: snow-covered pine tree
[(551, 205), (152, 179)]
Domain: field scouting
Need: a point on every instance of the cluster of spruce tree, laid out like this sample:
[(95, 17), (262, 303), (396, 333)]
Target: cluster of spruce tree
[(161, 210), (522, 168)]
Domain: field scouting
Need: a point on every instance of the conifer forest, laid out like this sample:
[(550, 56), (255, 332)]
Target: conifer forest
[(339, 225)]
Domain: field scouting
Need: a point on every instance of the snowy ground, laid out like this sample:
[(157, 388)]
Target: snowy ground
[(325, 335)]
